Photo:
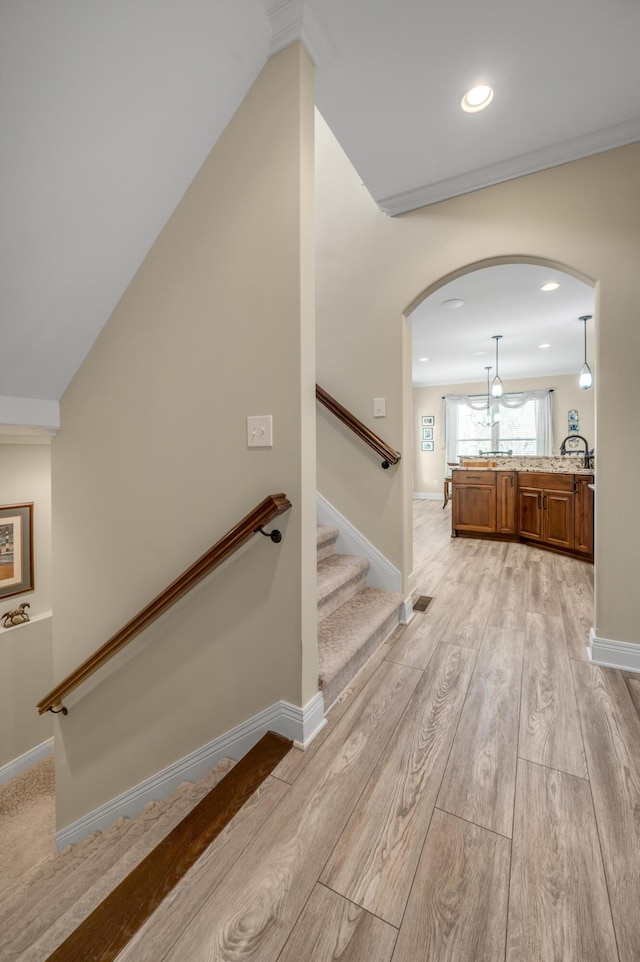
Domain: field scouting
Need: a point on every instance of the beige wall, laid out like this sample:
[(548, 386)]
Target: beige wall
[(429, 466), (25, 651), (582, 217), (26, 671), (151, 465)]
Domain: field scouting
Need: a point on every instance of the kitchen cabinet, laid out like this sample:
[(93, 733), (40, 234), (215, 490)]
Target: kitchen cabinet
[(550, 509), (547, 515), (474, 501)]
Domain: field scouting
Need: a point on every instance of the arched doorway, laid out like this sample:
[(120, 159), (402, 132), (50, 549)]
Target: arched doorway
[(455, 326)]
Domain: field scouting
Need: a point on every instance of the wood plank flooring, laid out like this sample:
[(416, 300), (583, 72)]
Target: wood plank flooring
[(558, 907), (473, 798)]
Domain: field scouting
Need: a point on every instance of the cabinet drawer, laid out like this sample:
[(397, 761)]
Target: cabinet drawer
[(473, 477), (546, 479)]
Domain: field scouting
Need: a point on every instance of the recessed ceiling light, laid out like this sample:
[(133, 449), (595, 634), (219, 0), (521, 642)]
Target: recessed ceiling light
[(550, 286), (478, 353), (453, 302), (477, 98), (544, 345), (423, 358)]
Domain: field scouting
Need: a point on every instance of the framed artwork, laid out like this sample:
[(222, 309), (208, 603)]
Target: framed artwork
[(16, 549), (573, 421), (427, 445), (428, 421), (427, 434)]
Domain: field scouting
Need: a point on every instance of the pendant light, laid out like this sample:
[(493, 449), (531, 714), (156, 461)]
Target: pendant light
[(585, 379), (490, 422), (497, 387)]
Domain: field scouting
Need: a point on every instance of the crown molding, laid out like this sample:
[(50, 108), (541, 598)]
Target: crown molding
[(538, 160), (292, 20)]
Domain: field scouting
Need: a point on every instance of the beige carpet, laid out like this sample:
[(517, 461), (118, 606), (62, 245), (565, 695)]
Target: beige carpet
[(51, 899), (27, 821)]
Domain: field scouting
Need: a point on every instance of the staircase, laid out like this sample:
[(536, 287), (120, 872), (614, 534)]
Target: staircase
[(49, 901), (353, 620), (54, 897)]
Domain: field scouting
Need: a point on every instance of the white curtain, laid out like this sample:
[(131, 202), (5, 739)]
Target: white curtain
[(543, 415), (450, 405)]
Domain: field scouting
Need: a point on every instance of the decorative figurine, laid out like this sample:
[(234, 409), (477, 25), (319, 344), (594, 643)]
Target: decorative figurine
[(17, 616)]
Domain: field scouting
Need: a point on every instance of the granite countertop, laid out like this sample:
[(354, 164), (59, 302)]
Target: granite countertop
[(569, 464)]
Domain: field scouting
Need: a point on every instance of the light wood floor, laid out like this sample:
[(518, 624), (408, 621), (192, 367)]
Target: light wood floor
[(475, 796)]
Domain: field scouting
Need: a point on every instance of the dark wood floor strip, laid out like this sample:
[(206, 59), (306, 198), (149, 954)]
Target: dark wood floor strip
[(108, 929)]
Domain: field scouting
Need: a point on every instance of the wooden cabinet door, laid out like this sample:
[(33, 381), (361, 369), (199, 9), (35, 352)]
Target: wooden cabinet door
[(474, 507), (558, 514), (584, 514), (506, 502), (530, 514)]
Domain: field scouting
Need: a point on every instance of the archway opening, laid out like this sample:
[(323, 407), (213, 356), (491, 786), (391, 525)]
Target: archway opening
[(513, 318)]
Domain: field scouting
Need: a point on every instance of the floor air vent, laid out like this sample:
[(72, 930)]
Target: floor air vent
[(422, 603)]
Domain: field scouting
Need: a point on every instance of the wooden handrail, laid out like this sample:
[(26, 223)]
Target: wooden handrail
[(388, 455), (268, 509)]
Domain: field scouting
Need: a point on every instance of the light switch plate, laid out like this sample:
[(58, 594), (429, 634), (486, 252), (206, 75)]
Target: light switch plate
[(260, 431), (379, 407)]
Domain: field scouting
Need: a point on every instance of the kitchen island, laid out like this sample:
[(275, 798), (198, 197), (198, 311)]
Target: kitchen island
[(546, 502)]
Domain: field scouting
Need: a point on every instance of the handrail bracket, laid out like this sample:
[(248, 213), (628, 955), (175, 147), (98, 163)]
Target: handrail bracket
[(275, 535)]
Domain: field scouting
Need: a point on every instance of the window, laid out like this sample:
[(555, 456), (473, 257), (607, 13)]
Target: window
[(520, 423)]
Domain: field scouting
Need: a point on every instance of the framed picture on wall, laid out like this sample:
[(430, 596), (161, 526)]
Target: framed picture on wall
[(428, 420), (426, 445), (427, 434), (16, 549)]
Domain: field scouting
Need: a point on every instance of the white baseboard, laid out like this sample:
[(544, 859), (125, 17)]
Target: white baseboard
[(407, 614), (22, 762), (613, 654), (382, 574), (301, 725), (427, 496)]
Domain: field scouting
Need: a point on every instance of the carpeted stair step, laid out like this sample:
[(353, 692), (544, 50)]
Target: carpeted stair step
[(158, 819), (326, 538), (26, 800), (82, 875), (125, 910), (340, 577), (59, 865), (349, 636)]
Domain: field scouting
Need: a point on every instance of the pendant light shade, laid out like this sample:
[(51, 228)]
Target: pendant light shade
[(585, 379), (490, 420), (497, 387)]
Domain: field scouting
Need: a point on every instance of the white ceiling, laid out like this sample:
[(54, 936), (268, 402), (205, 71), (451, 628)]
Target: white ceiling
[(566, 75), (505, 300), (107, 110)]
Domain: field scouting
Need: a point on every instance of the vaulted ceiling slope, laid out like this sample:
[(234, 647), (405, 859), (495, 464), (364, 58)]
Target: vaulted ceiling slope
[(107, 110)]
